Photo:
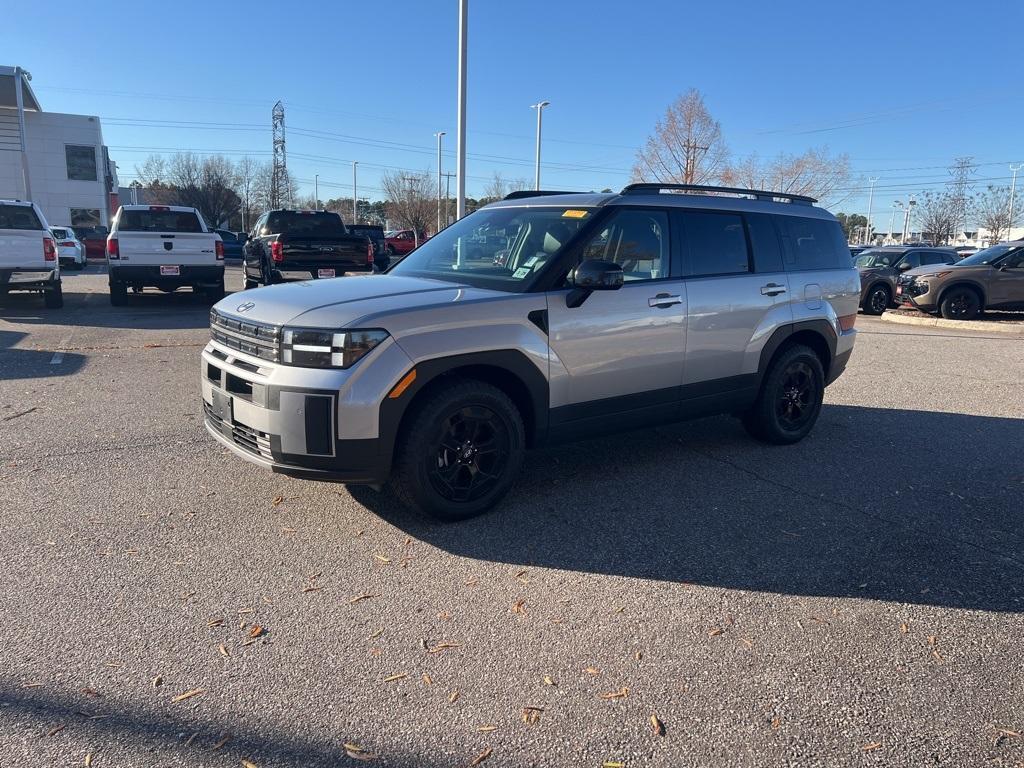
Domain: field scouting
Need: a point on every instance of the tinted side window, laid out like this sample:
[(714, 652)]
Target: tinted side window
[(938, 257), (635, 239), (18, 217), (764, 239), (715, 243), (913, 259), (81, 162), (813, 244)]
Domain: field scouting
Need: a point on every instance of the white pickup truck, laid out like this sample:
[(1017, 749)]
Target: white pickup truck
[(166, 247), (28, 255)]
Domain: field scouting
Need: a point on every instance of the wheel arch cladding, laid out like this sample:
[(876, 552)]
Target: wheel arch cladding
[(508, 370), (972, 286), (819, 335)]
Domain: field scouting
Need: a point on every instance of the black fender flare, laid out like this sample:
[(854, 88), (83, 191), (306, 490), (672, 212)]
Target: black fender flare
[(820, 327)]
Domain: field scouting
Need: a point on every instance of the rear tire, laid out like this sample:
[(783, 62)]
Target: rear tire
[(877, 301), (118, 294), (461, 452), (789, 402), (960, 304), (53, 297)]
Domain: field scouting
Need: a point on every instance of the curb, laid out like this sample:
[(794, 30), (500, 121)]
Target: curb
[(996, 326)]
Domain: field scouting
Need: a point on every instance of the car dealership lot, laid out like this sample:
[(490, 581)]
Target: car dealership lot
[(855, 598)]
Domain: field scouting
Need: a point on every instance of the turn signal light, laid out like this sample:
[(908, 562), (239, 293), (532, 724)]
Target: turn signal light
[(369, 253), (113, 252), (220, 250), (277, 251), (846, 322), (49, 252)]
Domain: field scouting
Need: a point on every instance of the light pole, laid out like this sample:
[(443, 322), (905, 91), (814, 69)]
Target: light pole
[(536, 171), (460, 153), (1013, 189), (439, 134), (911, 202), (897, 204), (355, 196), (316, 191), (867, 227)]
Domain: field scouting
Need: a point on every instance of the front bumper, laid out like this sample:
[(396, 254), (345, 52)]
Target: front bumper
[(308, 423), (916, 295)]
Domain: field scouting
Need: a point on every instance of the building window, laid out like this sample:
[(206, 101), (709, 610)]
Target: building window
[(81, 162), (85, 217)]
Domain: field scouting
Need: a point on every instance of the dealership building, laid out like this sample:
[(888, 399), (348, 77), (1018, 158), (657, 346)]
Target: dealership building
[(56, 160)]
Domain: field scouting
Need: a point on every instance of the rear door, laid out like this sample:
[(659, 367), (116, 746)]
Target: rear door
[(21, 238), (823, 283), (1006, 285), (738, 294), (163, 236)]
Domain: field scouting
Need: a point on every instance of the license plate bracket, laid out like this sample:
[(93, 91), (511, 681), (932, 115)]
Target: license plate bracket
[(221, 407), (169, 271), (325, 273)]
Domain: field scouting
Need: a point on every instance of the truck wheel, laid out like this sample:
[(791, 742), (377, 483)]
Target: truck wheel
[(53, 297), (118, 294), (461, 451), (790, 398)]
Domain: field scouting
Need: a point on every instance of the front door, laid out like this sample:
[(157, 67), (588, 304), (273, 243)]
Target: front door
[(1006, 286), (621, 351)]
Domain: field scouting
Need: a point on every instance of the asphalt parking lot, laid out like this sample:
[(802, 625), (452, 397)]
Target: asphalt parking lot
[(855, 599)]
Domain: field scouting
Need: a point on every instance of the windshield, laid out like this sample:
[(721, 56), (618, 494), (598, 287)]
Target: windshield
[(988, 255), (158, 221), (878, 258), (499, 248)]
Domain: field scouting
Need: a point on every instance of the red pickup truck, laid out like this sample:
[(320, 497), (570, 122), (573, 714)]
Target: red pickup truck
[(399, 242)]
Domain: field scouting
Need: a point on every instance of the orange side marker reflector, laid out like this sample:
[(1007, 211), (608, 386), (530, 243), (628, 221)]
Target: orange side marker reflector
[(403, 385), (846, 322)]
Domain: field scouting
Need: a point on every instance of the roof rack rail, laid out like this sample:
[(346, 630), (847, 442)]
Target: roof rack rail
[(759, 194), (519, 194)]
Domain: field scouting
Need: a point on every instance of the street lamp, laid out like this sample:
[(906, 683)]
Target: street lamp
[(316, 191), (536, 173), (1013, 189), (355, 196), (439, 134), (896, 205), (460, 152), (867, 227)]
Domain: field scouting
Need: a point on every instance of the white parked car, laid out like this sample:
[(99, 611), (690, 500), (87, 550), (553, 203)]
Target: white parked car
[(70, 250), (28, 256), (166, 247)]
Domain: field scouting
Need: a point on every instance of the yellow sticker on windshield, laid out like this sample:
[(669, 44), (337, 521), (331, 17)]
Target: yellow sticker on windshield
[(573, 214)]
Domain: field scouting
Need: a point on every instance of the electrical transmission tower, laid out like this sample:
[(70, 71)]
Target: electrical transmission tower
[(280, 188), (960, 187)]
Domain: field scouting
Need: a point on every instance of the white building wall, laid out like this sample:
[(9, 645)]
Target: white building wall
[(47, 134)]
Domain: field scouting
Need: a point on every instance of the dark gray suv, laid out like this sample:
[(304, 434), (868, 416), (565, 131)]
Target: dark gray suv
[(879, 268)]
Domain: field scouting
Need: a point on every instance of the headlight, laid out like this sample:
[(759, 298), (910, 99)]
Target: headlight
[(318, 348)]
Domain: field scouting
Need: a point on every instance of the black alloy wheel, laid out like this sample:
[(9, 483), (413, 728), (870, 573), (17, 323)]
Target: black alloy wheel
[(795, 400), (470, 454)]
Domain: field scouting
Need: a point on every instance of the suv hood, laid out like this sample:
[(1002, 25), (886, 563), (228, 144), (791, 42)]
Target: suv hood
[(340, 302), (931, 269)]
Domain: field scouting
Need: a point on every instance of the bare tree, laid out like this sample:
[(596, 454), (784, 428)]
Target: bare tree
[(517, 185), (816, 173), (207, 184), (152, 175), (686, 146), (246, 173), (992, 210), (412, 201), (939, 216), (496, 188)]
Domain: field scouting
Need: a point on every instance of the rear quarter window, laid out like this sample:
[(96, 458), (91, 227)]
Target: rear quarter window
[(159, 221), (810, 244), (18, 217)]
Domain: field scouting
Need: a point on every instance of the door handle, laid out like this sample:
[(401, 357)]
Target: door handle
[(663, 300), (772, 289)]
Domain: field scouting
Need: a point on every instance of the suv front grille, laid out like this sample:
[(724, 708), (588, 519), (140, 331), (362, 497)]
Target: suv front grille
[(248, 439), (257, 339)]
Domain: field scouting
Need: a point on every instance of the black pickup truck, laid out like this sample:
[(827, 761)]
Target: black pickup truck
[(302, 245)]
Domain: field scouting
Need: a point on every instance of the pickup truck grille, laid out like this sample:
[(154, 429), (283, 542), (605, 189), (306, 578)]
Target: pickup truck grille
[(257, 339)]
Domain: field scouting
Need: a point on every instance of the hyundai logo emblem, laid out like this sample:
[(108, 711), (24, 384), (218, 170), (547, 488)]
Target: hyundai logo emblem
[(246, 307)]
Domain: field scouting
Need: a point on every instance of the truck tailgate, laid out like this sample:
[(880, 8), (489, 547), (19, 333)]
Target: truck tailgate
[(337, 253), (155, 248), (22, 249)]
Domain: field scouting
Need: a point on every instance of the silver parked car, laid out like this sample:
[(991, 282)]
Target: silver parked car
[(538, 319)]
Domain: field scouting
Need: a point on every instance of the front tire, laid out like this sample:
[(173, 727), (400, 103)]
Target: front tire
[(461, 452), (960, 304), (877, 301), (789, 402)]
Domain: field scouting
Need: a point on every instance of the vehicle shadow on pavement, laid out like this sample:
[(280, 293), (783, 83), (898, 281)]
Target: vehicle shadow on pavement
[(181, 310), (18, 363), (895, 505), (136, 732)]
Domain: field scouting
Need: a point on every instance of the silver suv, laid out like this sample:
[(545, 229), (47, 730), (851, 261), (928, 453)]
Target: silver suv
[(538, 319)]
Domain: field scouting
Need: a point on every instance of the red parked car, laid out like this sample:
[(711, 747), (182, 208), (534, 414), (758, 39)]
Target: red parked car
[(95, 241), (399, 242)]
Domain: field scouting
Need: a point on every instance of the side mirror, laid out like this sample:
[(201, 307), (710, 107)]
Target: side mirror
[(904, 266), (596, 275)]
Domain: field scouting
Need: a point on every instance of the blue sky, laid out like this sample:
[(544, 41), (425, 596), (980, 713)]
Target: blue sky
[(902, 88)]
